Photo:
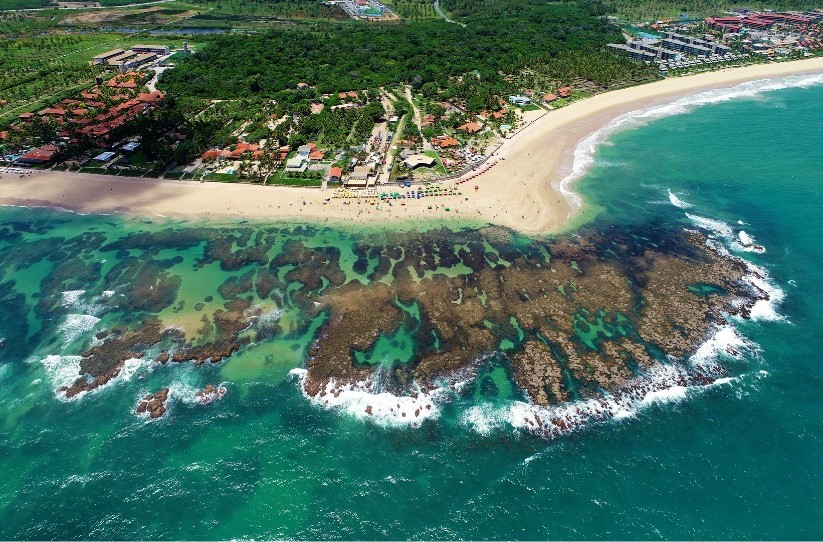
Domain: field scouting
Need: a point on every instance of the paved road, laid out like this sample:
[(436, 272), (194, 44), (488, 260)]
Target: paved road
[(443, 15)]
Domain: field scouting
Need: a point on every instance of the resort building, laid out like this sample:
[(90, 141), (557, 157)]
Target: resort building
[(634, 54), (102, 58), (156, 49), (297, 163), (415, 161), (40, 155), (360, 176), (520, 100)]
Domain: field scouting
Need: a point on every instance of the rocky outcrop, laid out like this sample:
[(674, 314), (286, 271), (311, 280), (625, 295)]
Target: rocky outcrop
[(210, 393), (154, 405)]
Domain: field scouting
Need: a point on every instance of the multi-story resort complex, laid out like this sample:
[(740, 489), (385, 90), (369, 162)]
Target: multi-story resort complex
[(718, 40), (138, 56), (372, 10)]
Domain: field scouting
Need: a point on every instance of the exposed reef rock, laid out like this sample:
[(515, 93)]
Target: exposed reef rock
[(210, 394), (570, 319), (586, 316), (154, 404)]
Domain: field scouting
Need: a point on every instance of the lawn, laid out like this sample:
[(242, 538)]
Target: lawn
[(293, 181)]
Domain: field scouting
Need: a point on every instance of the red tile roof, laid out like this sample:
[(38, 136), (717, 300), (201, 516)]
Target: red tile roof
[(42, 154), (54, 111), (470, 128)]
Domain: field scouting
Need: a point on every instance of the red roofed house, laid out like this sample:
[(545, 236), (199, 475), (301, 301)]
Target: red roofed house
[(53, 112), (150, 97), (316, 156), (470, 128), (564, 92), (211, 154), (335, 174), (445, 142), (40, 155), (549, 98)]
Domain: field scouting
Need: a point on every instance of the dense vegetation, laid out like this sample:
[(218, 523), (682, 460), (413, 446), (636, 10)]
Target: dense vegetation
[(650, 10), (241, 9), (501, 38)]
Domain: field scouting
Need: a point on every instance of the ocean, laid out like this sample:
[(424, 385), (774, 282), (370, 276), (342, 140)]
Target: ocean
[(738, 458)]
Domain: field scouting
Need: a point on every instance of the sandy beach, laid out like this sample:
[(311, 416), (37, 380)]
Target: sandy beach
[(521, 191)]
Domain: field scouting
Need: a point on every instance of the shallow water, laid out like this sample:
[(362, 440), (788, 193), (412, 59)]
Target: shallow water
[(737, 459)]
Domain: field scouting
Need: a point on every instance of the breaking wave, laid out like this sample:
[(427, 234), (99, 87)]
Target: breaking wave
[(75, 326), (362, 400)]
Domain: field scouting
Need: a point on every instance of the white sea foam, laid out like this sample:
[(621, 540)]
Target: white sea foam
[(484, 418), (745, 238), (76, 325), (765, 309), (62, 371), (361, 400), (725, 341), (71, 298), (677, 202), (740, 242), (663, 384), (585, 150)]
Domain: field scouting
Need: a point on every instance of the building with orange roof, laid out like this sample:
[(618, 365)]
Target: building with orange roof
[(470, 127), (40, 155), (53, 112), (335, 174), (317, 156), (444, 142)]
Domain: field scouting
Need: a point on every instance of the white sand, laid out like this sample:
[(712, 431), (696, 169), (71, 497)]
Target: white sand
[(520, 191)]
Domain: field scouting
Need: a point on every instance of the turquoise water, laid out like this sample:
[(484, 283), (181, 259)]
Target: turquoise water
[(740, 459)]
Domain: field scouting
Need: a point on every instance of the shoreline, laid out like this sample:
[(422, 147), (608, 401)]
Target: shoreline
[(527, 190)]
